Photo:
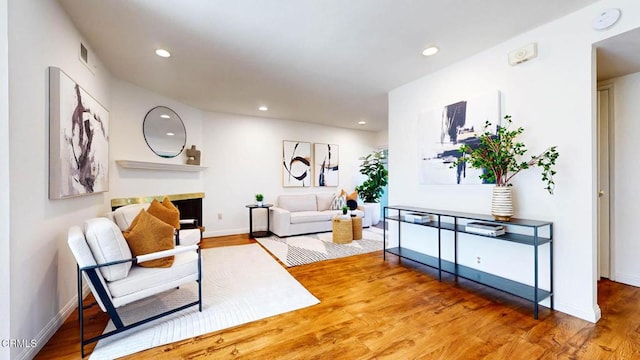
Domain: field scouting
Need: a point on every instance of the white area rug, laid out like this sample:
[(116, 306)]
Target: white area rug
[(305, 249), (240, 284)]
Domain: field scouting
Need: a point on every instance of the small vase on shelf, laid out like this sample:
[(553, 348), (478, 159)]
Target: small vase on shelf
[(502, 203)]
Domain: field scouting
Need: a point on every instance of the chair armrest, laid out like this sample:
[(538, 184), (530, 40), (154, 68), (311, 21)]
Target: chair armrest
[(193, 222), (165, 253)]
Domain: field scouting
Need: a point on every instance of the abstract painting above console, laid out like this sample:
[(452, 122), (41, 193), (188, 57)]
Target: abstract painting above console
[(442, 131), (296, 164), (326, 164), (78, 139)]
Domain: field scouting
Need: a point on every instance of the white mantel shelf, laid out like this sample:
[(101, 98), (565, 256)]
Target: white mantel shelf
[(146, 165)]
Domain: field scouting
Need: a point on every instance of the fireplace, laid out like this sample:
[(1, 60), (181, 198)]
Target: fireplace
[(189, 205)]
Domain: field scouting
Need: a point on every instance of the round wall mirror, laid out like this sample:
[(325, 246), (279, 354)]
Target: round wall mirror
[(164, 132)]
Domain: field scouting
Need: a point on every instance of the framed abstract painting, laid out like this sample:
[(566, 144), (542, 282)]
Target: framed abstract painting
[(325, 164), (78, 139), (296, 164), (442, 131)]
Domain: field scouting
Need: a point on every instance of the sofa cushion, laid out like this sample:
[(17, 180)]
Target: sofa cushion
[(107, 244), (148, 234), (324, 201), (124, 215), (295, 203), (300, 217)]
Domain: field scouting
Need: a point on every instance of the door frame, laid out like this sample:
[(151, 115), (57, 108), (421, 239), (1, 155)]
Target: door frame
[(609, 86)]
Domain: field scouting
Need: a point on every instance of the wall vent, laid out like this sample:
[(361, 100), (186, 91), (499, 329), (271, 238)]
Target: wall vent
[(83, 55)]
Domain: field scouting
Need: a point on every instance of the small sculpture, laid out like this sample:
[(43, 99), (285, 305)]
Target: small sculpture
[(193, 156)]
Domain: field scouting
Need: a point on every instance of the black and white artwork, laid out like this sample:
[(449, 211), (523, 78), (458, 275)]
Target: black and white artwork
[(78, 139), (442, 131), (326, 164), (296, 164)]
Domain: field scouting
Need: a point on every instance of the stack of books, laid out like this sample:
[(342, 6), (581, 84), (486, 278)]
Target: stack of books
[(417, 218), (488, 229)]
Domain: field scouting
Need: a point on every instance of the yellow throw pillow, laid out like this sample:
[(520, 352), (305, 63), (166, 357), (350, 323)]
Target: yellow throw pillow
[(353, 196), (169, 215), (147, 234)]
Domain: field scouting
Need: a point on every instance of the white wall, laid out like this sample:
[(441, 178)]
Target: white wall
[(625, 196), (552, 96), (43, 272), (130, 104), (244, 155), (5, 259)]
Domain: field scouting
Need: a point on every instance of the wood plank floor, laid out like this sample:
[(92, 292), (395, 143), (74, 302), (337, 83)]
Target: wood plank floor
[(372, 309)]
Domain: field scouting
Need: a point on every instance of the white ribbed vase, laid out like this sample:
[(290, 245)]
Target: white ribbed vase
[(502, 203)]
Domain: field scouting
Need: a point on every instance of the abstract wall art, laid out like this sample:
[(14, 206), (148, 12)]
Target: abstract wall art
[(78, 139), (296, 164), (442, 131), (325, 164)]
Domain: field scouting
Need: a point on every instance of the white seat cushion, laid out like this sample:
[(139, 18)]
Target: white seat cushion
[(124, 215), (184, 264), (107, 244), (301, 217)]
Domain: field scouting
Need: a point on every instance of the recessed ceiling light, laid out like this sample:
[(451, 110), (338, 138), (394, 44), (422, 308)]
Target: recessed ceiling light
[(170, 134), (362, 122), (163, 53), (431, 50), (263, 108), (165, 116)]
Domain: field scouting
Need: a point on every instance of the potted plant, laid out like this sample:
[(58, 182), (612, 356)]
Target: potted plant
[(371, 189), (259, 199), (499, 156), (345, 209)]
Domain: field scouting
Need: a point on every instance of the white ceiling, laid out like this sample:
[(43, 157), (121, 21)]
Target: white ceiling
[(323, 61), (619, 55)]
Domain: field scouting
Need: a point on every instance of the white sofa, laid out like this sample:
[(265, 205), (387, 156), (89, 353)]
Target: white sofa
[(306, 214)]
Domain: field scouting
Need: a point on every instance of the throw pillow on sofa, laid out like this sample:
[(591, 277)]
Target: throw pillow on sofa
[(148, 234), (339, 201)]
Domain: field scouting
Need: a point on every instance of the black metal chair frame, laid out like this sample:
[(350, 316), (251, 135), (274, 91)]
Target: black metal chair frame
[(91, 272)]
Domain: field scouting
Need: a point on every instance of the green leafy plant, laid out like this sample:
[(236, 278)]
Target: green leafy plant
[(259, 197), (377, 177), (499, 156), (345, 209)]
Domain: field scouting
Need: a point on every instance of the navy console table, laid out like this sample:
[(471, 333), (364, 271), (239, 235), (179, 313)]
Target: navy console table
[(452, 221)]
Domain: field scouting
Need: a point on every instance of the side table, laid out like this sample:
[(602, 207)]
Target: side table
[(342, 230), (356, 222), (253, 234)]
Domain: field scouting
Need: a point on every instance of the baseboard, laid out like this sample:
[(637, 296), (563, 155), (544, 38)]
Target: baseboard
[(633, 280), (591, 315), (48, 331), (225, 232)]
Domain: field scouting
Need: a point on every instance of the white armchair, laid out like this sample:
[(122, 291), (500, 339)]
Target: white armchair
[(115, 279)]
